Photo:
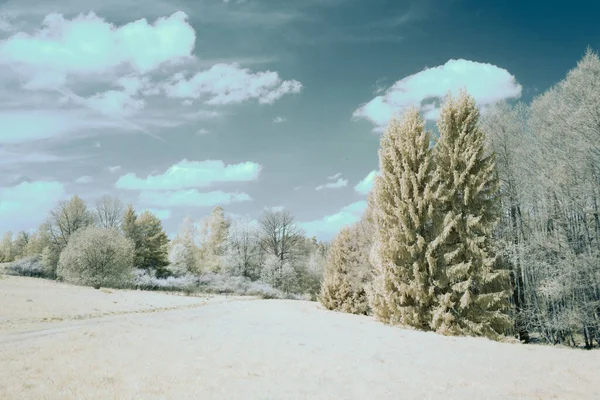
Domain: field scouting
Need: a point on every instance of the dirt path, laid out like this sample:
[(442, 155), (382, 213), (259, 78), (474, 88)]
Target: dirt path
[(273, 349)]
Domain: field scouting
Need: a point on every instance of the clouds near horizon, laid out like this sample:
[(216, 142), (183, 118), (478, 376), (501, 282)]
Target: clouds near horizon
[(192, 174)]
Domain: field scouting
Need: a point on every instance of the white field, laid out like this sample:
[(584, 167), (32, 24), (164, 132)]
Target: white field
[(65, 342)]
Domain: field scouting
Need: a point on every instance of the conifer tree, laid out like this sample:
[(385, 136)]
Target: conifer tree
[(471, 289), (153, 251), (342, 289), (214, 235), (404, 200)]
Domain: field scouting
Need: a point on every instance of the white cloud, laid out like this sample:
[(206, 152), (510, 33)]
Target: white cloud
[(161, 213), (26, 205), (189, 174), (202, 131), (333, 177), (97, 144), (230, 84), (487, 83), (84, 179), (87, 44), (187, 102), (365, 186), (191, 198), (328, 226), (114, 169), (115, 103), (279, 120), (340, 183), (124, 64)]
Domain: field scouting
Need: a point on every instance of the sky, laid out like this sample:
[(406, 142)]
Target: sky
[(179, 106)]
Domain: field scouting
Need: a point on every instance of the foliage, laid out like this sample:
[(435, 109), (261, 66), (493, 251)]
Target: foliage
[(97, 257), (342, 288)]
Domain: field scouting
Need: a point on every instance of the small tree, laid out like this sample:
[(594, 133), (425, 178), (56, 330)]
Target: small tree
[(241, 250), (6, 248), (213, 235), (342, 289), (181, 259), (152, 250), (97, 257)]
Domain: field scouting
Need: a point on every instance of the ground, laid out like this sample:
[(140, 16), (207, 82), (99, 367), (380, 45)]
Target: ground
[(65, 342)]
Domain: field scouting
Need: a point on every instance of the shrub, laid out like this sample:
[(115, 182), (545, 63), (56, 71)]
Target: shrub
[(209, 283), (97, 257), (28, 266)]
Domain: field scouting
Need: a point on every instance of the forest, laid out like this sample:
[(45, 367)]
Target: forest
[(487, 225)]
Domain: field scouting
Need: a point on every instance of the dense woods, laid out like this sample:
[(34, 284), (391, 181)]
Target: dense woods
[(487, 226)]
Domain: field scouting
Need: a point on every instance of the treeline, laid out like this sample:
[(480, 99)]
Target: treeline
[(111, 245), (494, 230)]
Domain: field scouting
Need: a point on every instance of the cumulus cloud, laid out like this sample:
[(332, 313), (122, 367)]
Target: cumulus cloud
[(279, 120), (68, 52), (26, 205), (487, 83), (87, 44), (114, 169), (191, 198), (189, 174), (328, 226), (365, 186), (340, 183), (230, 84), (84, 179)]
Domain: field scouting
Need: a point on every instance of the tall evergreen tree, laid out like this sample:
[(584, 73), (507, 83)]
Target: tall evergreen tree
[(472, 291), (404, 200)]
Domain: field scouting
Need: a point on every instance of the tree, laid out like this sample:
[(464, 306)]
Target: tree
[(513, 144), (403, 211), (6, 248), (181, 259), (97, 257), (186, 237), (280, 236), (66, 219), (214, 236), (279, 276), (20, 244), (108, 212), (241, 249), (342, 288), (151, 251), (471, 288)]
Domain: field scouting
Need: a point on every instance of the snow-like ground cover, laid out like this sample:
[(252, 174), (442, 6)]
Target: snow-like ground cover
[(63, 342)]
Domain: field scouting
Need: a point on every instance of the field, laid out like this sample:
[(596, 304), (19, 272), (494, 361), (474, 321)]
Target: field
[(65, 342)]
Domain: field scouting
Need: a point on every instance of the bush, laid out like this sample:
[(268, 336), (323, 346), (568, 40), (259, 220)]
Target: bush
[(97, 257), (209, 283), (28, 266)]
